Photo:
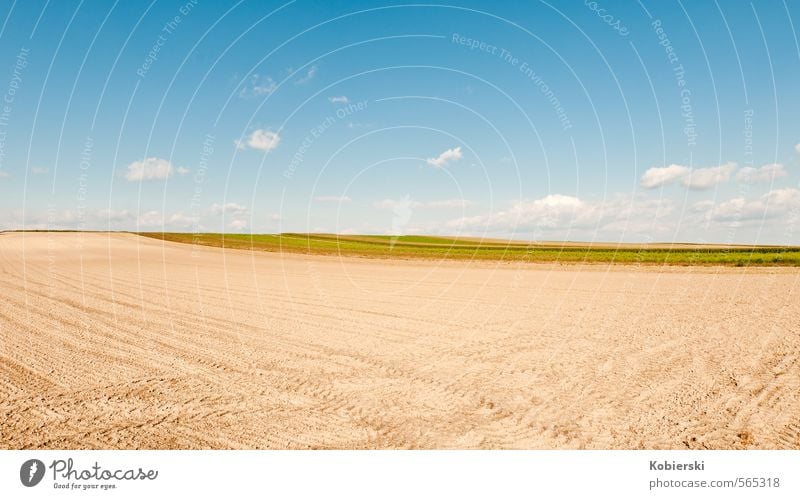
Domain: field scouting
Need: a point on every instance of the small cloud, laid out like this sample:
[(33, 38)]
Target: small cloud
[(262, 140), (257, 86), (559, 212), (228, 209), (448, 203), (238, 224), (103, 219), (333, 199), (310, 74), (237, 214), (656, 177), (342, 99), (153, 218), (110, 215), (777, 204), (181, 220), (767, 173), (797, 148), (4, 174), (183, 171), (39, 171), (446, 157), (275, 217), (149, 169), (691, 178), (394, 204), (150, 218), (706, 178)]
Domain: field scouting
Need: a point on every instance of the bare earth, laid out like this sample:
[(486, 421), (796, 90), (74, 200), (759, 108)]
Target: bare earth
[(119, 342)]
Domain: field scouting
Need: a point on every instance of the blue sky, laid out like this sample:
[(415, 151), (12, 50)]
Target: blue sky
[(651, 121)]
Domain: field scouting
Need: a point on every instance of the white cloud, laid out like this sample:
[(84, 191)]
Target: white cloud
[(333, 199), (4, 174), (558, 212), (766, 173), (775, 204), (447, 203), (797, 148), (342, 99), (261, 140), (182, 170), (656, 177), (235, 213), (181, 220), (238, 224), (65, 219), (149, 169), (691, 178), (394, 204), (310, 74), (39, 171), (706, 178), (150, 219), (97, 219), (109, 215), (257, 86), (228, 209), (446, 157), (154, 218)]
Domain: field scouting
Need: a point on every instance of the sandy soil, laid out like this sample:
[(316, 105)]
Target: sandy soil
[(117, 341)]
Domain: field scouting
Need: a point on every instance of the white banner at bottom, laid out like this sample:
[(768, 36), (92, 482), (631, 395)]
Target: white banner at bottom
[(372, 474)]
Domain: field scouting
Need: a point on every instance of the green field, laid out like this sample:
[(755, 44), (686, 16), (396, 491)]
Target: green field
[(428, 247)]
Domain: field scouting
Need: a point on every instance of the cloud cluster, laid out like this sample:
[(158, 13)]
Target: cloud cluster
[(446, 157), (562, 212), (154, 218), (783, 204), (310, 74), (149, 169), (228, 209), (395, 204), (258, 86), (767, 173), (236, 214), (96, 219), (706, 178), (656, 177), (341, 99), (260, 140), (691, 178)]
